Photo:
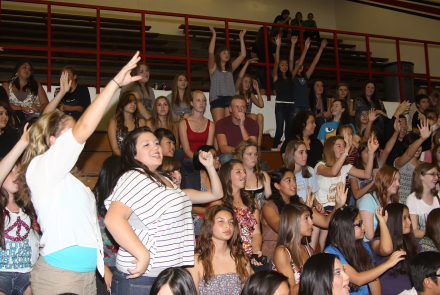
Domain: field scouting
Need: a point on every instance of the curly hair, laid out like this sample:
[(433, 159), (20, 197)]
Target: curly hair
[(238, 155), (206, 248), (276, 197), (225, 177)]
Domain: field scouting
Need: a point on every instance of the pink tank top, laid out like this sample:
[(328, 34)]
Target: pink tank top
[(196, 139)]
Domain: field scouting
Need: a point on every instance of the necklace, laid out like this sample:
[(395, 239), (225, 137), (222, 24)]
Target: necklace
[(198, 124)]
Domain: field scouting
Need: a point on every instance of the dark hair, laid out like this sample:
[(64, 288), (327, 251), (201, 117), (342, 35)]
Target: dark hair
[(228, 64), (124, 100), (358, 163), (432, 110), (276, 197), (320, 266), (345, 117), (419, 98), (435, 160), (71, 69), (225, 177), (259, 41), (106, 180), (341, 236), (11, 117), (310, 14), (206, 246), (406, 242), (312, 97), (424, 265), (299, 123), (288, 74), (433, 227), (285, 11), (163, 132), (374, 130), (196, 162), (374, 97), (265, 282), (409, 139), (32, 85), (178, 279), (169, 164), (128, 152), (341, 127)]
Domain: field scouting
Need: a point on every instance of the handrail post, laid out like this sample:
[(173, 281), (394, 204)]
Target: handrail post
[(428, 74), (399, 69), (338, 72), (301, 39), (98, 49), (188, 54), (143, 37), (227, 33), (49, 47), (266, 53), (367, 47)]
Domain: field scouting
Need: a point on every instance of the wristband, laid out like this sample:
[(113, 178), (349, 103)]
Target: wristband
[(116, 83)]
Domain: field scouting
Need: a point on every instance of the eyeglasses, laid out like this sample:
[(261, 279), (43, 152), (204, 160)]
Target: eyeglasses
[(432, 174), (359, 224)]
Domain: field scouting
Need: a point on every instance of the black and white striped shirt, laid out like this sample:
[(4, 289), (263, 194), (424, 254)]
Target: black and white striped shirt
[(161, 219)]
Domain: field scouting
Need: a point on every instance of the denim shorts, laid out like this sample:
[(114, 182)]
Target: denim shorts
[(14, 283), (220, 102)]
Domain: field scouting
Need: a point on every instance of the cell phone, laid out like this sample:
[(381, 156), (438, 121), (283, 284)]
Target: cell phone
[(262, 259)]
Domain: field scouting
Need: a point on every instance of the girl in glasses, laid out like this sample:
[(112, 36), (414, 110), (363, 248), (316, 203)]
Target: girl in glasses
[(345, 240)]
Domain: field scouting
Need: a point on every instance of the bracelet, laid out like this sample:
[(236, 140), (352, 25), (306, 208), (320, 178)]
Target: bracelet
[(346, 154), (116, 83)]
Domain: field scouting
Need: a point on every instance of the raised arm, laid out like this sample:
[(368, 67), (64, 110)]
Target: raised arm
[(216, 193), (237, 62), (277, 58), (242, 72), (258, 99), (336, 168), (383, 246), (42, 96), (64, 87), (211, 51), (390, 144), (116, 221), (8, 162), (366, 174), (425, 133), (316, 59), (294, 39), (91, 117), (301, 59), (341, 197), (371, 117)]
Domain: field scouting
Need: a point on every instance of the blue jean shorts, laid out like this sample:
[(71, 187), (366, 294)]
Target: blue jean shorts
[(220, 102), (14, 283), (121, 286)]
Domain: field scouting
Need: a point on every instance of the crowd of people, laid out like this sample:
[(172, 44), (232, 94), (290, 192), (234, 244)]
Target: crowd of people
[(184, 207)]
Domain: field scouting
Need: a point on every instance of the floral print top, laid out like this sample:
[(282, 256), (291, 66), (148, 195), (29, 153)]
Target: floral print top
[(247, 222), (110, 246), (222, 284)]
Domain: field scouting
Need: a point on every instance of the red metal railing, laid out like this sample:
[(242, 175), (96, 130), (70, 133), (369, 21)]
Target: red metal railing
[(98, 52)]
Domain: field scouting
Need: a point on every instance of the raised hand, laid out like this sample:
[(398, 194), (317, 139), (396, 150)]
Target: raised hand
[(379, 214), (374, 173), (425, 131), (401, 109), (123, 77), (65, 83), (294, 39), (206, 159), (395, 258), (372, 115), (211, 28), (348, 139), (324, 43), (278, 40), (252, 60), (307, 44), (397, 126), (242, 33), (25, 136), (255, 84), (373, 145), (341, 194)]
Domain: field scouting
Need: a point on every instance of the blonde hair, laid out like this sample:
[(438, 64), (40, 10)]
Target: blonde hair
[(329, 153), (197, 92), (50, 124)]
